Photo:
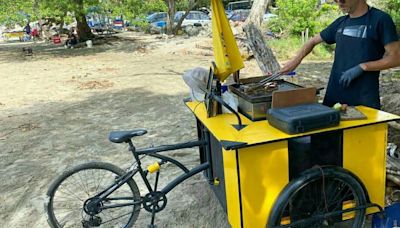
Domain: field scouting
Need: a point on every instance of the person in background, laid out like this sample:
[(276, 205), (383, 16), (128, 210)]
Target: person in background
[(71, 40), (35, 32), (366, 43), (27, 29)]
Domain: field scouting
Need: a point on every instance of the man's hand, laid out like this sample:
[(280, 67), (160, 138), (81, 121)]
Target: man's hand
[(290, 66), (349, 75), (304, 51)]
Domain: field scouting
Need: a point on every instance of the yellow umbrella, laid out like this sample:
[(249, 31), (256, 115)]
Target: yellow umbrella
[(226, 51)]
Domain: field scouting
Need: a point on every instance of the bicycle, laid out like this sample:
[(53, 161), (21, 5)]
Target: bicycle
[(98, 194), (122, 197)]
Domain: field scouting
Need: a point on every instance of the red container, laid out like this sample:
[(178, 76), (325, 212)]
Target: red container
[(56, 39)]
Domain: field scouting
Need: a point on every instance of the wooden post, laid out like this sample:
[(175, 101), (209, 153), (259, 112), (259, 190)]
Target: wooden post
[(307, 30), (262, 53)]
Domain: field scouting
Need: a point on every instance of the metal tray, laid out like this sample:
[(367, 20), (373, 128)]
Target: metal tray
[(264, 97)]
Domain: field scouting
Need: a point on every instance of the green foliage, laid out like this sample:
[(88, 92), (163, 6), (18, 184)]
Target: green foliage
[(283, 49), (155, 6), (132, 9), (182, 5), (393, 8), (295, 16), (326, 15), (15, 12)]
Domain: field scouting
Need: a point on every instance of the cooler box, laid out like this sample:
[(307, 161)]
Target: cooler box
[(303, 118), (391, 218)]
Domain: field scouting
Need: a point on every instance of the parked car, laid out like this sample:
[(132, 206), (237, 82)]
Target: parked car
[(239, 15), (242, 15), (205, 10), (244, 4), (228, 13), (194, 18), (268, 16), (155, 17), (157, 21)]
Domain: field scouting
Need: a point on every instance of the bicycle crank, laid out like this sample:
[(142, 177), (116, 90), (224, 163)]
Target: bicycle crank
[(154, 201)]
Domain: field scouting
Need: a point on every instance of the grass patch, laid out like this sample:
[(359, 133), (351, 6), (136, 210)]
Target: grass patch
[(396, 75), (286, 48)]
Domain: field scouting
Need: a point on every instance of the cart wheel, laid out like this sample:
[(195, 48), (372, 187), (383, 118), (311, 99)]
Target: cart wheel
[(307, 200)]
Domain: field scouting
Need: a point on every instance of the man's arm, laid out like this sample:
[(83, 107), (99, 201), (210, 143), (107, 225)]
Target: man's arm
[(304, 51), (389, 60)]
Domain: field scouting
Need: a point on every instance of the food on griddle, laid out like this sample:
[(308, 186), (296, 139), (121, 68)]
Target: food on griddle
[(271, 86), (256, 90)]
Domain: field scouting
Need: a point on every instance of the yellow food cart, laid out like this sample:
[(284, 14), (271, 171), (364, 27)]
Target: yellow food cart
[(251, 167)]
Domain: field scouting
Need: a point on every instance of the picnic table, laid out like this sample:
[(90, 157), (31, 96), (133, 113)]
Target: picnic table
[(13, 34)]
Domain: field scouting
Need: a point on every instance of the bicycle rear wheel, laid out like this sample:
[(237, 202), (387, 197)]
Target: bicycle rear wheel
[(71, 191), (307, 200)]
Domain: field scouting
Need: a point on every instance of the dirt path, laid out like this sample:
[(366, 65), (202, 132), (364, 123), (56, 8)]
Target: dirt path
[(57, 107)]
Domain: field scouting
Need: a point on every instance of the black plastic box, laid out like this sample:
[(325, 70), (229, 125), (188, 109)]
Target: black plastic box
[(303, 118)]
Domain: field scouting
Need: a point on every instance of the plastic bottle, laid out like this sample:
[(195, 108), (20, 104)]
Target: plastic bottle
[(395, 224), (231, 100)]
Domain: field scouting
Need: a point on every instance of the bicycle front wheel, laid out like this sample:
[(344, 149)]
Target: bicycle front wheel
[(318, 198), (75, 188)]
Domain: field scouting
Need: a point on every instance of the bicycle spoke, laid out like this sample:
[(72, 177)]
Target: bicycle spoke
[(337, 202), (99, 183), (76, 182), (80, 185), (69, 217), (308, 206), (71, 193), (117, 217)]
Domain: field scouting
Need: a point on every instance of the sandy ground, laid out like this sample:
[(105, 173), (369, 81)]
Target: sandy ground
[(58, 106)]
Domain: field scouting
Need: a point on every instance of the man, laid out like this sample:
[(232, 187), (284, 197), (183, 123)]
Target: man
[(27, 29), (72, 39), (366, 43)]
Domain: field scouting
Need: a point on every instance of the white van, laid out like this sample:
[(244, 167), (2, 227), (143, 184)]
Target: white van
[(194, 18), (244, 4)]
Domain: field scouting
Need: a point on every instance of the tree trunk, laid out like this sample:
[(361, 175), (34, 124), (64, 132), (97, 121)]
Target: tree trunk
[(171, 16), (62, 21), (36, 9), (192, 4), (257, 12), (83, 30), (262, 53)]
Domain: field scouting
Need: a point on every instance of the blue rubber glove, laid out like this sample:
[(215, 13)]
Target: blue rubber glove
[(349, 75)]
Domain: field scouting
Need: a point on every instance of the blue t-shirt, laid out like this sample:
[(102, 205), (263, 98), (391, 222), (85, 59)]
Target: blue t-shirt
[(358, 40)]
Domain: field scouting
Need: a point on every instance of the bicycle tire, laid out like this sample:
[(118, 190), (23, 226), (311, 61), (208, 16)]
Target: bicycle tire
[(57, 187), (283, 205)]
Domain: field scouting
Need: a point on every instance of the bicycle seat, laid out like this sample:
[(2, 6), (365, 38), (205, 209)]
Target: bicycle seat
[(125, 136)]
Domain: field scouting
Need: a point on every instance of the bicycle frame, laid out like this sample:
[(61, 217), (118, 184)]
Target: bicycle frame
[(152, 152)]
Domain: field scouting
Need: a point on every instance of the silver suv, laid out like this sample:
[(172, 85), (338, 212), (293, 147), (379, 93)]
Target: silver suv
[(194, 18)]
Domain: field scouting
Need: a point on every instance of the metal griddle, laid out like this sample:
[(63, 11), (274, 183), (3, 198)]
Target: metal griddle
[(254, 103)]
